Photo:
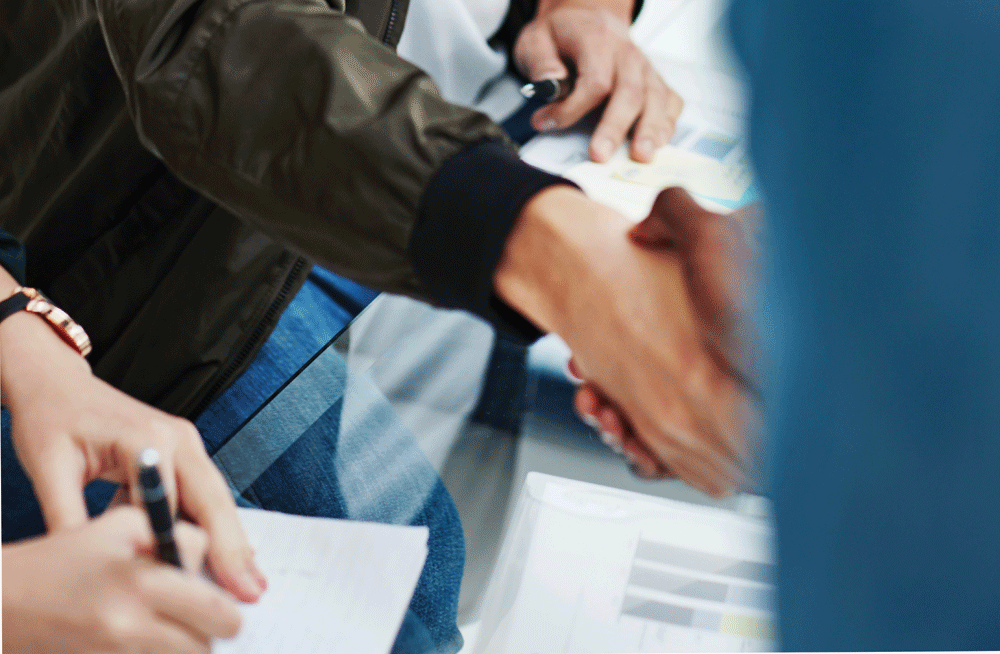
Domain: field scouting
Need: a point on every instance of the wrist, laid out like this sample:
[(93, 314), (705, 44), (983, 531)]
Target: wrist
[(32, 353), (553, 254)]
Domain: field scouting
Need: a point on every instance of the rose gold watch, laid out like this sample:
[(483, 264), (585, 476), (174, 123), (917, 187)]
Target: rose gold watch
[(32, 301)]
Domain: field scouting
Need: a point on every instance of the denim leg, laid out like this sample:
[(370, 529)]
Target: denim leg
[(331, 445)]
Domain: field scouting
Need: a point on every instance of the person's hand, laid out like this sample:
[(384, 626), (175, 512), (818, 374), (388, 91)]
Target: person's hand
[(720, 266), (69, 428), (96, 588), (591, 37), (624, 310)]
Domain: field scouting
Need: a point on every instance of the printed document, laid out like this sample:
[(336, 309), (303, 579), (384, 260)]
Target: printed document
[(588, 568)]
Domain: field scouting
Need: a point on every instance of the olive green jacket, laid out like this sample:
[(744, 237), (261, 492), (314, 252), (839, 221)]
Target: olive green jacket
[(174, 167)]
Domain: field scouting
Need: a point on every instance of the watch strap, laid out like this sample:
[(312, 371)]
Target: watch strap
[(16, 302)]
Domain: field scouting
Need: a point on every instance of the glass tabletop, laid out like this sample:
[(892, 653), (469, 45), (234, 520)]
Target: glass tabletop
[(419, 388)]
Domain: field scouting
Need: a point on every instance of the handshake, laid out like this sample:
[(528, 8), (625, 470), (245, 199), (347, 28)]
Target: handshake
[(662, 337)]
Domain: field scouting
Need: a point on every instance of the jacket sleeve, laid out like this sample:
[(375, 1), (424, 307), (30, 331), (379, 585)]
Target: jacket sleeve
[(290, 115)]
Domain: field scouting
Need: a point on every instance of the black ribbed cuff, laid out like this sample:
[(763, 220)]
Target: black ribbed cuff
[(466, 213)]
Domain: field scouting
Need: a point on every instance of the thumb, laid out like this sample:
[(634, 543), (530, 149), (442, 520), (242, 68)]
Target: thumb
[(58, 483), (537, 55), (711, 262), (672, 222), (716, 268)]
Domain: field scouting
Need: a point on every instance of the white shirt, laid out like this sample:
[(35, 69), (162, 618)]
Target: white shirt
[(447, 39)]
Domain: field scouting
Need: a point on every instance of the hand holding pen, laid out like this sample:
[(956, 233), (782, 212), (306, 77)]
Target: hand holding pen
[(592, 41), (93, 588)]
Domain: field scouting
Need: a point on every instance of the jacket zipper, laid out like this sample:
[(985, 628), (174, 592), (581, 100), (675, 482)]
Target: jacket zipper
[(269, 317), (393, 10)]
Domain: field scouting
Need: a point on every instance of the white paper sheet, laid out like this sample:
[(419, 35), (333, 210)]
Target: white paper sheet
[(631, 187), (333, 585), (587, 568)]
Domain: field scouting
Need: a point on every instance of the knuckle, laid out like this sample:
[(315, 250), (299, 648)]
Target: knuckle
[(159, 430), (597, 85), (589, 23), (529, 40), (186, 432), (633, 89)]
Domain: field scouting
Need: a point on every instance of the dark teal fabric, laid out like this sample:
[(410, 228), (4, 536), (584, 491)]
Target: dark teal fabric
[(875, 132), (12, 256)]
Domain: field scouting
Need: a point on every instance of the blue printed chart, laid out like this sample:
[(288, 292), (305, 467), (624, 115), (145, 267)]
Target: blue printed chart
[(732, 597)]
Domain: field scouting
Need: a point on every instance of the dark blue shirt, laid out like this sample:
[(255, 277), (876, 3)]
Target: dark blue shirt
[(875, 131)]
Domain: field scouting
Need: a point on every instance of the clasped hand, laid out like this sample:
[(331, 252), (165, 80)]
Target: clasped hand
[(705, 421)]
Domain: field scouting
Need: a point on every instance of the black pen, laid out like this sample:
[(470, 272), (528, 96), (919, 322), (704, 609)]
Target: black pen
[(154, 497), (548, 90)]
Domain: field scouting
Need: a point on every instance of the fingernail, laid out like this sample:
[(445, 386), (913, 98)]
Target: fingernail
[(609, 439), (591, 421), (570, 376), (644, 147), (640, 471), (251, 584), (259, 576), (548, 123), (708, 488), (639, 468), (603, 147)]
